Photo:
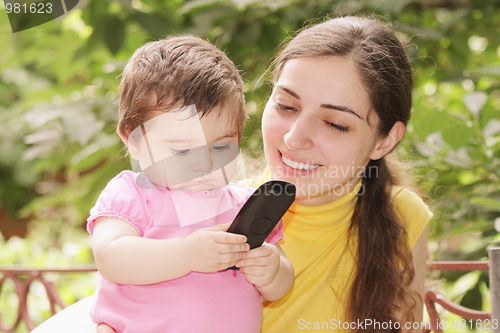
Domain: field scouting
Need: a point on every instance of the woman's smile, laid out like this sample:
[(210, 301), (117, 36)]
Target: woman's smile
[(316, 130), (295, 164)]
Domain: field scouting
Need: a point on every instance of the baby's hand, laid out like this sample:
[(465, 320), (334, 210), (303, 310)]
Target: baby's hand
[(260, 265), (213, 249)]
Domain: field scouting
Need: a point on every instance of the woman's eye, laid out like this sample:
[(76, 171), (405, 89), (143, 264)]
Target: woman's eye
[(220, 148), (341, 129), (279, 106), (180, 151)]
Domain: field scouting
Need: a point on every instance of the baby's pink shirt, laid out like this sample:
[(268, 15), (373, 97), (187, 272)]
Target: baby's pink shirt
[(198, 302)]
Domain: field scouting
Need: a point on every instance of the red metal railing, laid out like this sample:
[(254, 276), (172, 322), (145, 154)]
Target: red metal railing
[(458, 266), (433, 296), (22, 278)]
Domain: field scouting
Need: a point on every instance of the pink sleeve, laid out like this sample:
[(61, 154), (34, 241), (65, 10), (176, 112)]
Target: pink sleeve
[(277, 233), (121, 198)]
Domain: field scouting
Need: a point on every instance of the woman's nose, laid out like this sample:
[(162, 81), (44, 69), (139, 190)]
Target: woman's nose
[(299, 135)]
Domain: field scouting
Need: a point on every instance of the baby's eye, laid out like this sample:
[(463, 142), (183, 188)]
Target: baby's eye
[(180, 151), (220, 148)]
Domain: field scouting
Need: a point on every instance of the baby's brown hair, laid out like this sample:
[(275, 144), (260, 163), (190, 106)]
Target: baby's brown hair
[(183, 69)]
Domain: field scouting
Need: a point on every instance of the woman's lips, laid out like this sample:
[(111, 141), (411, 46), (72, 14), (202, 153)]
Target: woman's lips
[(299, 165)]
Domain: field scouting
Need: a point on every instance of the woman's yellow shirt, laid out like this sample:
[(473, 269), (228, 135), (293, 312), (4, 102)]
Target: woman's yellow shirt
[(316, 242)]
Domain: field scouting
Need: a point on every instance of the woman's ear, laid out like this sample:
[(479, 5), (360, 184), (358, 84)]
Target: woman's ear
[(385, 145), (133, 147)]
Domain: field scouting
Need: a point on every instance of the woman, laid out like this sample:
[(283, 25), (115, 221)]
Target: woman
[(357, 239), (340, 104)]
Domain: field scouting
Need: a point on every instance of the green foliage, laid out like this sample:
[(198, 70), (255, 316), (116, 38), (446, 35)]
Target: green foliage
[(58, 106)]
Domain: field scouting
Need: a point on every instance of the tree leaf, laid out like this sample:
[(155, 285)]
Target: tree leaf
[(475, 101), (457, 135), (390, 6), (156, 25), (191, 6), (486, 202), (473, 298), (114, 33), (492, 128)]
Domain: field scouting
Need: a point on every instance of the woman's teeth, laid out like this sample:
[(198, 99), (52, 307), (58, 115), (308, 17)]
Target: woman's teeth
[(297, 165)]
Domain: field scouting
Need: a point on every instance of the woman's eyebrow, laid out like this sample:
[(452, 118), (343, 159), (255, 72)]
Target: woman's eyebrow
[(340, 108), (326, 106)]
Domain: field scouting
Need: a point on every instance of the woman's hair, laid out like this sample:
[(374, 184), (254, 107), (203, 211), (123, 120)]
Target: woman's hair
[(183, 69), (384, 268)]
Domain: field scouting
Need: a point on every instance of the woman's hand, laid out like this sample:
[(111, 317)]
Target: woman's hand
[(213, 249), (104, 328), (260, 265)]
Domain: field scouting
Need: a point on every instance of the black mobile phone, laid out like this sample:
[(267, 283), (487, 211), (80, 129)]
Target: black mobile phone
[(263, 210)]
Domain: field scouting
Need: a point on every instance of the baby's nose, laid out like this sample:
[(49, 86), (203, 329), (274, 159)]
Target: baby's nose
[(203, 160)]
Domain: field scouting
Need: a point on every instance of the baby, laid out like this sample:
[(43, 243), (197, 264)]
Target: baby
[(159, 237)]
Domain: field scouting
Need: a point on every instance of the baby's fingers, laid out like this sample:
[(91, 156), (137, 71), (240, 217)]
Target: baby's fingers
[(256, 271), (260, 261), (229, 238), (230, 259), (261, 251), (232, 248)]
